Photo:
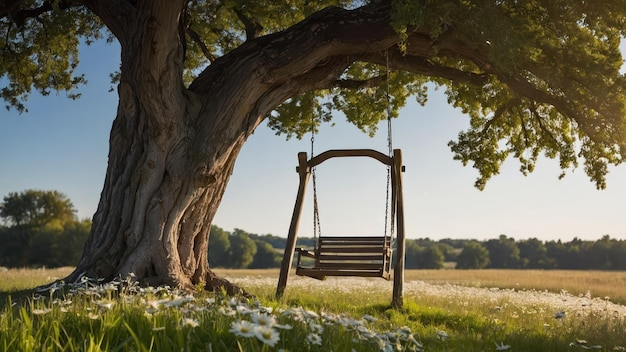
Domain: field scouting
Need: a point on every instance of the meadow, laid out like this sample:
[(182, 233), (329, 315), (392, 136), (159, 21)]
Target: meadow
[(444, 310)]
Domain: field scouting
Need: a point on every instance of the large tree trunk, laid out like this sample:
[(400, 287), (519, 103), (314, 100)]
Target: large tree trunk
[(173, 149), (165, 178)]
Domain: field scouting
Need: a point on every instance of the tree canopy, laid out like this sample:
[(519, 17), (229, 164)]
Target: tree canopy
[(535, 77), (42, 230), (36, 208)]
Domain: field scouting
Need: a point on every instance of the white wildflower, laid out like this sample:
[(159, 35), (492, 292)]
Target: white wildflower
[(369, 318), (584, 345), (314, 339), (105, 304), (267, 335), (42, 311), (283, 326), (243, 309), (502, 346), (226, 311), (178, 301), (188, 322), (311, 314), (242, 328), (316, 328), (263, 319)]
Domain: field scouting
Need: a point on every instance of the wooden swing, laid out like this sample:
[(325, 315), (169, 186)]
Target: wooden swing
[(365, 256), (362, 256)]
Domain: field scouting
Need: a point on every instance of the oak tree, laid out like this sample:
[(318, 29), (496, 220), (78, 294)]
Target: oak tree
[(197, 77)]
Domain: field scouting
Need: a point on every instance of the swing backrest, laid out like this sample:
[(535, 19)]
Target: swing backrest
[(354, 253)]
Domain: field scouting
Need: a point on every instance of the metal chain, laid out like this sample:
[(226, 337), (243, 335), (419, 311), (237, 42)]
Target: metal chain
[(317, 229), (390, 146)]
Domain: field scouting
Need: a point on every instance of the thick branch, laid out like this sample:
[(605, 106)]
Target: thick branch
[(360, 84), (196, 38), (117, 15), (13, 10), (253, 28), (308, 45), (423, 66), (523, 87), (334, 38)]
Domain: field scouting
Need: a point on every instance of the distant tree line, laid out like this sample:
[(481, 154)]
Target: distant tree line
[(242, 250), (506, 253), (40, 228), (227, 250)]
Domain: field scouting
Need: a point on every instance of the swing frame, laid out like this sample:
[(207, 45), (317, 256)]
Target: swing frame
[(336, 268)]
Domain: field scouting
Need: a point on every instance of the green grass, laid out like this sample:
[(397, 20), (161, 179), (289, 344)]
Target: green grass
[(342, 314)]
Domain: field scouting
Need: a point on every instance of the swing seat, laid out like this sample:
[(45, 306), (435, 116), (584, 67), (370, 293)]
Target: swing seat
[(348, 256)]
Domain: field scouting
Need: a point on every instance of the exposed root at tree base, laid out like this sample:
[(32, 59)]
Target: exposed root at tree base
[(215, 283)]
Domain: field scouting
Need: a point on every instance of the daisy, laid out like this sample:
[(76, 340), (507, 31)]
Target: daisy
[(178, 301), (442, 335), (311, 314), (283, 326), (192, 323), (267, 335), (242, 328), (41, 311), (226, 311), (369, 318), (364, 332), (105, 304), (243, 310), (316, 328), (314, 339), (502, 347), (263, 319)]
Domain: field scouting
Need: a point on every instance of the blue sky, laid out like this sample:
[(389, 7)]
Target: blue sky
[(63, 145)]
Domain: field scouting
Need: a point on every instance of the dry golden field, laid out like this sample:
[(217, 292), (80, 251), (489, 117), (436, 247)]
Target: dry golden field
[(602, 284)]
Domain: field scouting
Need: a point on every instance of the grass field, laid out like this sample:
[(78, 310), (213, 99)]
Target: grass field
[(610, 284), (444, 310)]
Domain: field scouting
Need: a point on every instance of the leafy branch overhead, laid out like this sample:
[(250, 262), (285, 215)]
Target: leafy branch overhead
[(535, 77)]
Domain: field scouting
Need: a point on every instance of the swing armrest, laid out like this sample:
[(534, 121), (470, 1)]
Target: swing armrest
[(305, 252)]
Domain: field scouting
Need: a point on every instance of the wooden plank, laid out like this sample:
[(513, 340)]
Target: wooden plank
[(353, 238), (332, 272), (339, 246), (350, 266), (378, 241), (351, 250), (334, 257), (335, 153), (351, 245)]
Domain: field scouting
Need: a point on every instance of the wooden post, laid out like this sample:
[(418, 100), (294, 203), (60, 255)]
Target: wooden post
[(398, 271), (290, 246)]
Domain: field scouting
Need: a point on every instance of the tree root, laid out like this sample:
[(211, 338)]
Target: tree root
[(215, 283)]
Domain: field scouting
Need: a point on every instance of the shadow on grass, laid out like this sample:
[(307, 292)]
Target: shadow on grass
[(15, 297)]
